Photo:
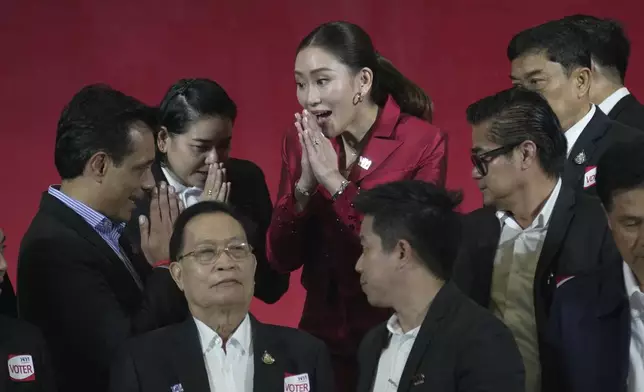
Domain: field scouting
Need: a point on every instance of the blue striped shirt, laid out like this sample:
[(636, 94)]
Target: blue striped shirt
[(109, 231)]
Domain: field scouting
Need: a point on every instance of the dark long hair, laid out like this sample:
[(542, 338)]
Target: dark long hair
[(353, 47)]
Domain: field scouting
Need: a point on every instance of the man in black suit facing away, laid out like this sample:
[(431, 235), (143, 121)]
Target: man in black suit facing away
[(28, 367), (78, 281), (610, 50), (438, 340), (534, 231), (554, 59), (221, 347), (597, 324)]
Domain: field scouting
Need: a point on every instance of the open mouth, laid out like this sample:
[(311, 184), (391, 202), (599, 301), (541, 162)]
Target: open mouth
[(323, 116)]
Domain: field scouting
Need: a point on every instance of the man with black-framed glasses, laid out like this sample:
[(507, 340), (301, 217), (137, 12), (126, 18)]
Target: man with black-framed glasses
[(222, 347), (534, 231)]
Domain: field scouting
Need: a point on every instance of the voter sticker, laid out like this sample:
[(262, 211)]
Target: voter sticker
[(21, 368), (297, 383), (590, 176)]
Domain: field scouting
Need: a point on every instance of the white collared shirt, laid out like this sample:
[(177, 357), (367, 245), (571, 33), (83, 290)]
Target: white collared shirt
[(609, 103), (575, 131), (394, 357), (512, 298), (231, 370), (187, 195), (636, 350)]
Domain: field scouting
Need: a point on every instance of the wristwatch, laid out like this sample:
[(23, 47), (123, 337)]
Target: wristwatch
[(340, 190)]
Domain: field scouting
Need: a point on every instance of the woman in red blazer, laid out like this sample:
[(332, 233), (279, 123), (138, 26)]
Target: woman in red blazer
[(363, 124)]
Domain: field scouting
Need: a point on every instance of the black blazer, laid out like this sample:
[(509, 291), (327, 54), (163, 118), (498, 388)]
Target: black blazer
[(460, 347), (8, 305), (628, 111), (249, 195), (31, 374), (78, 292), (590, 331), (173, 356), (600, 133), (578, 241)]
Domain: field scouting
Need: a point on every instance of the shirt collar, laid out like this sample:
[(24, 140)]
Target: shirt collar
[(173, 180), (630, 282), (210, 339), (609, 103), (395, 329), (543, 218), (575, 131)]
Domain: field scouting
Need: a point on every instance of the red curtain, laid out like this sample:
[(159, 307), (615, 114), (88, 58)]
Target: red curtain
[(455, 49)]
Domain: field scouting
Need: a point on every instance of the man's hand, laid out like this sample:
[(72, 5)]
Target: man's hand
[(156, 231)]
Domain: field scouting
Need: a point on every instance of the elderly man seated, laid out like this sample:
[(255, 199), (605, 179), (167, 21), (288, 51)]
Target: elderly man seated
[(222, 347)]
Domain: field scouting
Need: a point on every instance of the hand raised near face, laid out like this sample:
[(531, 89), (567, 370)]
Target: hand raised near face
[(216, 187)]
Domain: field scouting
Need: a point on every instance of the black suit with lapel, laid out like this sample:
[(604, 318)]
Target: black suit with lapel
[(27, 367), (173, 357), (249, 195), (79, 293), (628, 111), (460, 347), (578, 241), (600, 133), (8, 305)]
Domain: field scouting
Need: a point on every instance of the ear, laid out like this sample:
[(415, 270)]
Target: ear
[(177, 274), (98, 165), (582, 80), (163, 138), (364, 81), (403, 253), (528, 154)]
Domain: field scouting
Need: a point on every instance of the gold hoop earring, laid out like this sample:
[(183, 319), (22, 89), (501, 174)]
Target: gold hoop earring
[(357, 99)]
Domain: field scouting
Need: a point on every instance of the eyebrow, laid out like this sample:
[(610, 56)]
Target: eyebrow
[(528, 75), (208, 141), (144, 164), (317, 70)]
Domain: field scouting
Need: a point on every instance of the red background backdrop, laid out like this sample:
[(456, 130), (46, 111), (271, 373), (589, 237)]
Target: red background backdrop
[(455, 49)]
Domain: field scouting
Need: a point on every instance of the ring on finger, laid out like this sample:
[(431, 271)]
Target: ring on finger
[(316, 142), (209, 192)]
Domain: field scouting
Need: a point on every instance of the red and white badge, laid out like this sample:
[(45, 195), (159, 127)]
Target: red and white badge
[(589, 176), (297, 383), (21, 368)]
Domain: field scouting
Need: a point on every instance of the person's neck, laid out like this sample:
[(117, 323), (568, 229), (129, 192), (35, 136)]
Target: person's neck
[(638, 272), (365, 118), (603, 88), (415, 299), (526, 204), (81, 190), (223, 321), (574, 119)]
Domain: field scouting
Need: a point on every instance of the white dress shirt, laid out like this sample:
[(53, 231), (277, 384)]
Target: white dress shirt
[(394, 357), (609, 103), (231, 370), (512, 298), (187, 195), (575, 131), (636, 350)]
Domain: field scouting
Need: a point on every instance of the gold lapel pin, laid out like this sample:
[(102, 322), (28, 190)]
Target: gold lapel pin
[(268, 358), (418, 379)]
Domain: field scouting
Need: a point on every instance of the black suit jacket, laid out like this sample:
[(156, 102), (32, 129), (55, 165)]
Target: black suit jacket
[(578, 241), (78, 292), (173, 356), (8, 305), (628, 111), (18, 338), (590, 331), (249, 196), (600, 133), (460, 347)]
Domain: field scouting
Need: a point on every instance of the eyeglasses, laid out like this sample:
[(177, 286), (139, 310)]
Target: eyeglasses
[(481, 161), (208, 255)]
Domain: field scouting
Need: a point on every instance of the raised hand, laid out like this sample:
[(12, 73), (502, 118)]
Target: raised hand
[(216, 187), (321, 155), (156, 230), (307, 180)]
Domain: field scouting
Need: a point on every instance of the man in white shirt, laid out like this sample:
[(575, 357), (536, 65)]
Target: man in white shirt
[(554, 59), (437, 340), (598, 320), (610, 50), (221, 348)]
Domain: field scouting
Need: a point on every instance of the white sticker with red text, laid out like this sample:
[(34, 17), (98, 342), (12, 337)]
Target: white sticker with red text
[(297, 383), (21, 368), (589, 176)]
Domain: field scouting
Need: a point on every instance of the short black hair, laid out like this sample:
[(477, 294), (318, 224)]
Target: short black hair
[(609, 44), (516, 115), (562, 43), (419, 212), (177, 240), (620, 168), (98, 118)]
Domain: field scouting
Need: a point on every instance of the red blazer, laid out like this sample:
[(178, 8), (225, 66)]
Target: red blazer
[(324, 238)]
